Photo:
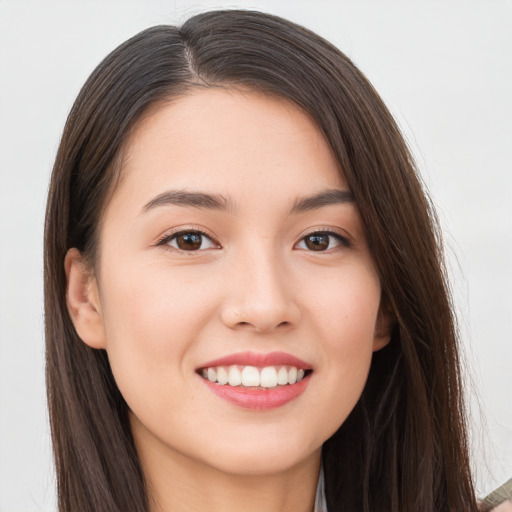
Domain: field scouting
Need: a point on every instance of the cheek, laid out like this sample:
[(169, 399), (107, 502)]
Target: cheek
[(155, 310), (151, 321), (345, 314), (346, 307)]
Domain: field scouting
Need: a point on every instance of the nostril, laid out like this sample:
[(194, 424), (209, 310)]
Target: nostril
[(262, 326)]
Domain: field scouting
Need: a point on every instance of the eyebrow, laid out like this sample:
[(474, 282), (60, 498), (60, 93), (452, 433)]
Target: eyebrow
[(219, 202), (324, 198), (183, 198)]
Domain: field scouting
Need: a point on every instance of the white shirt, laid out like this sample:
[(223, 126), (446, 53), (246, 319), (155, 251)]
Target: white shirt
[(320, 503)]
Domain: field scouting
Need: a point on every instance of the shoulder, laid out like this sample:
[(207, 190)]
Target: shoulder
[(506, 506), (500, 500)]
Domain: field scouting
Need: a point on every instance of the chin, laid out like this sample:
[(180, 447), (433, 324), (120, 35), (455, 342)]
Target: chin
[(262, 455), (261, 464)]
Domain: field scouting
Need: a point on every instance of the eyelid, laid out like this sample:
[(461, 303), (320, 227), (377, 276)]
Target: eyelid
[(343, 239), (163, 240)]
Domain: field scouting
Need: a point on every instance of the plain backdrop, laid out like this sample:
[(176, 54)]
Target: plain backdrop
[(444, 70)]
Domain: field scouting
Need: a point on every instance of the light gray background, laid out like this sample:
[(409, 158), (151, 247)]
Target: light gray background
[(444, 69)]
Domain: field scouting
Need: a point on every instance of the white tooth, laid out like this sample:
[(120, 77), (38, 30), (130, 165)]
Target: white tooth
[(282, 376), (292, 375), (235, 376), (268, 377), (212, 375), (250, 376), (300, 375), (204, 373), (222, 375)]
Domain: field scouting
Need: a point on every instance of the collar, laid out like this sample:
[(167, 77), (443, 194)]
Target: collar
[(320, 502)]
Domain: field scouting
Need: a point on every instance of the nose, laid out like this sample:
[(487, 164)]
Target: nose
[(260, 295)]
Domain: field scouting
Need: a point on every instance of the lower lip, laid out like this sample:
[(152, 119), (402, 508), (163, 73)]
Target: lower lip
[(261, 399)]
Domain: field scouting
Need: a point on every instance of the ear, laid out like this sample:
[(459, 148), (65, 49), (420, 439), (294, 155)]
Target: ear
[(383, 328), (82, 297)]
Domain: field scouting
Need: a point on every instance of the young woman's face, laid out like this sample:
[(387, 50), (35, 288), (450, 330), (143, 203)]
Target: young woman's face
[(231, 250)]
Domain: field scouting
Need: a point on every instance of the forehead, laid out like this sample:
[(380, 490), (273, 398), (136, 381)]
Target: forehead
[(229, 141)]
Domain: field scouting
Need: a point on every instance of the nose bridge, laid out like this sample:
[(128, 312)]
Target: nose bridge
[(260, 293)]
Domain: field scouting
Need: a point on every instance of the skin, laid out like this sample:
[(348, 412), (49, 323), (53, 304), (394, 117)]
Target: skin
[(504, 507), (161, 312)]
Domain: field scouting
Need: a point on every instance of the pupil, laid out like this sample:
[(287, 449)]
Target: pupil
[(317, 242), (189, 241)]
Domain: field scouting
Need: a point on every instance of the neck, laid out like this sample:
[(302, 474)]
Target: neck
[(178, 484), (233, 493)]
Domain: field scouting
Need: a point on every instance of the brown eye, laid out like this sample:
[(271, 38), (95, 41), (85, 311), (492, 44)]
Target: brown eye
[(190, 241), (322, 241), (317, 241)]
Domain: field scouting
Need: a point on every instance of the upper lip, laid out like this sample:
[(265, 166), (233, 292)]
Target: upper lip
[(257, 359)]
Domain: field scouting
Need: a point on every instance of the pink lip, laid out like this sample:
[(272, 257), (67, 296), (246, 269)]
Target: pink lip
[(261, 360), (258, 398)]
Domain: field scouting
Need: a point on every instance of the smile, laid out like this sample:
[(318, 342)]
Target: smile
[(257, 381), (254, 377)]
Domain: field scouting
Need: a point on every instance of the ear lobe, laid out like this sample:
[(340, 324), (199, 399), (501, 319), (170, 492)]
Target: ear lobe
[(383, 328), (82, 299)]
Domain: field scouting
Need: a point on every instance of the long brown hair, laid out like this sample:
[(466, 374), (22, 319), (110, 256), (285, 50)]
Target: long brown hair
[(404, 446)]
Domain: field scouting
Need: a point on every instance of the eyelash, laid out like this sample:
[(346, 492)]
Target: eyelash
[(341, 240), (168, 238)]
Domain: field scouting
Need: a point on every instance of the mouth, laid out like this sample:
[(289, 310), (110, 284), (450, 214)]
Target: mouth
[(254, 377), (257, 381)]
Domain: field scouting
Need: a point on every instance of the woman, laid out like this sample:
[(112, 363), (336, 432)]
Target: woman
[(244, 285)]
